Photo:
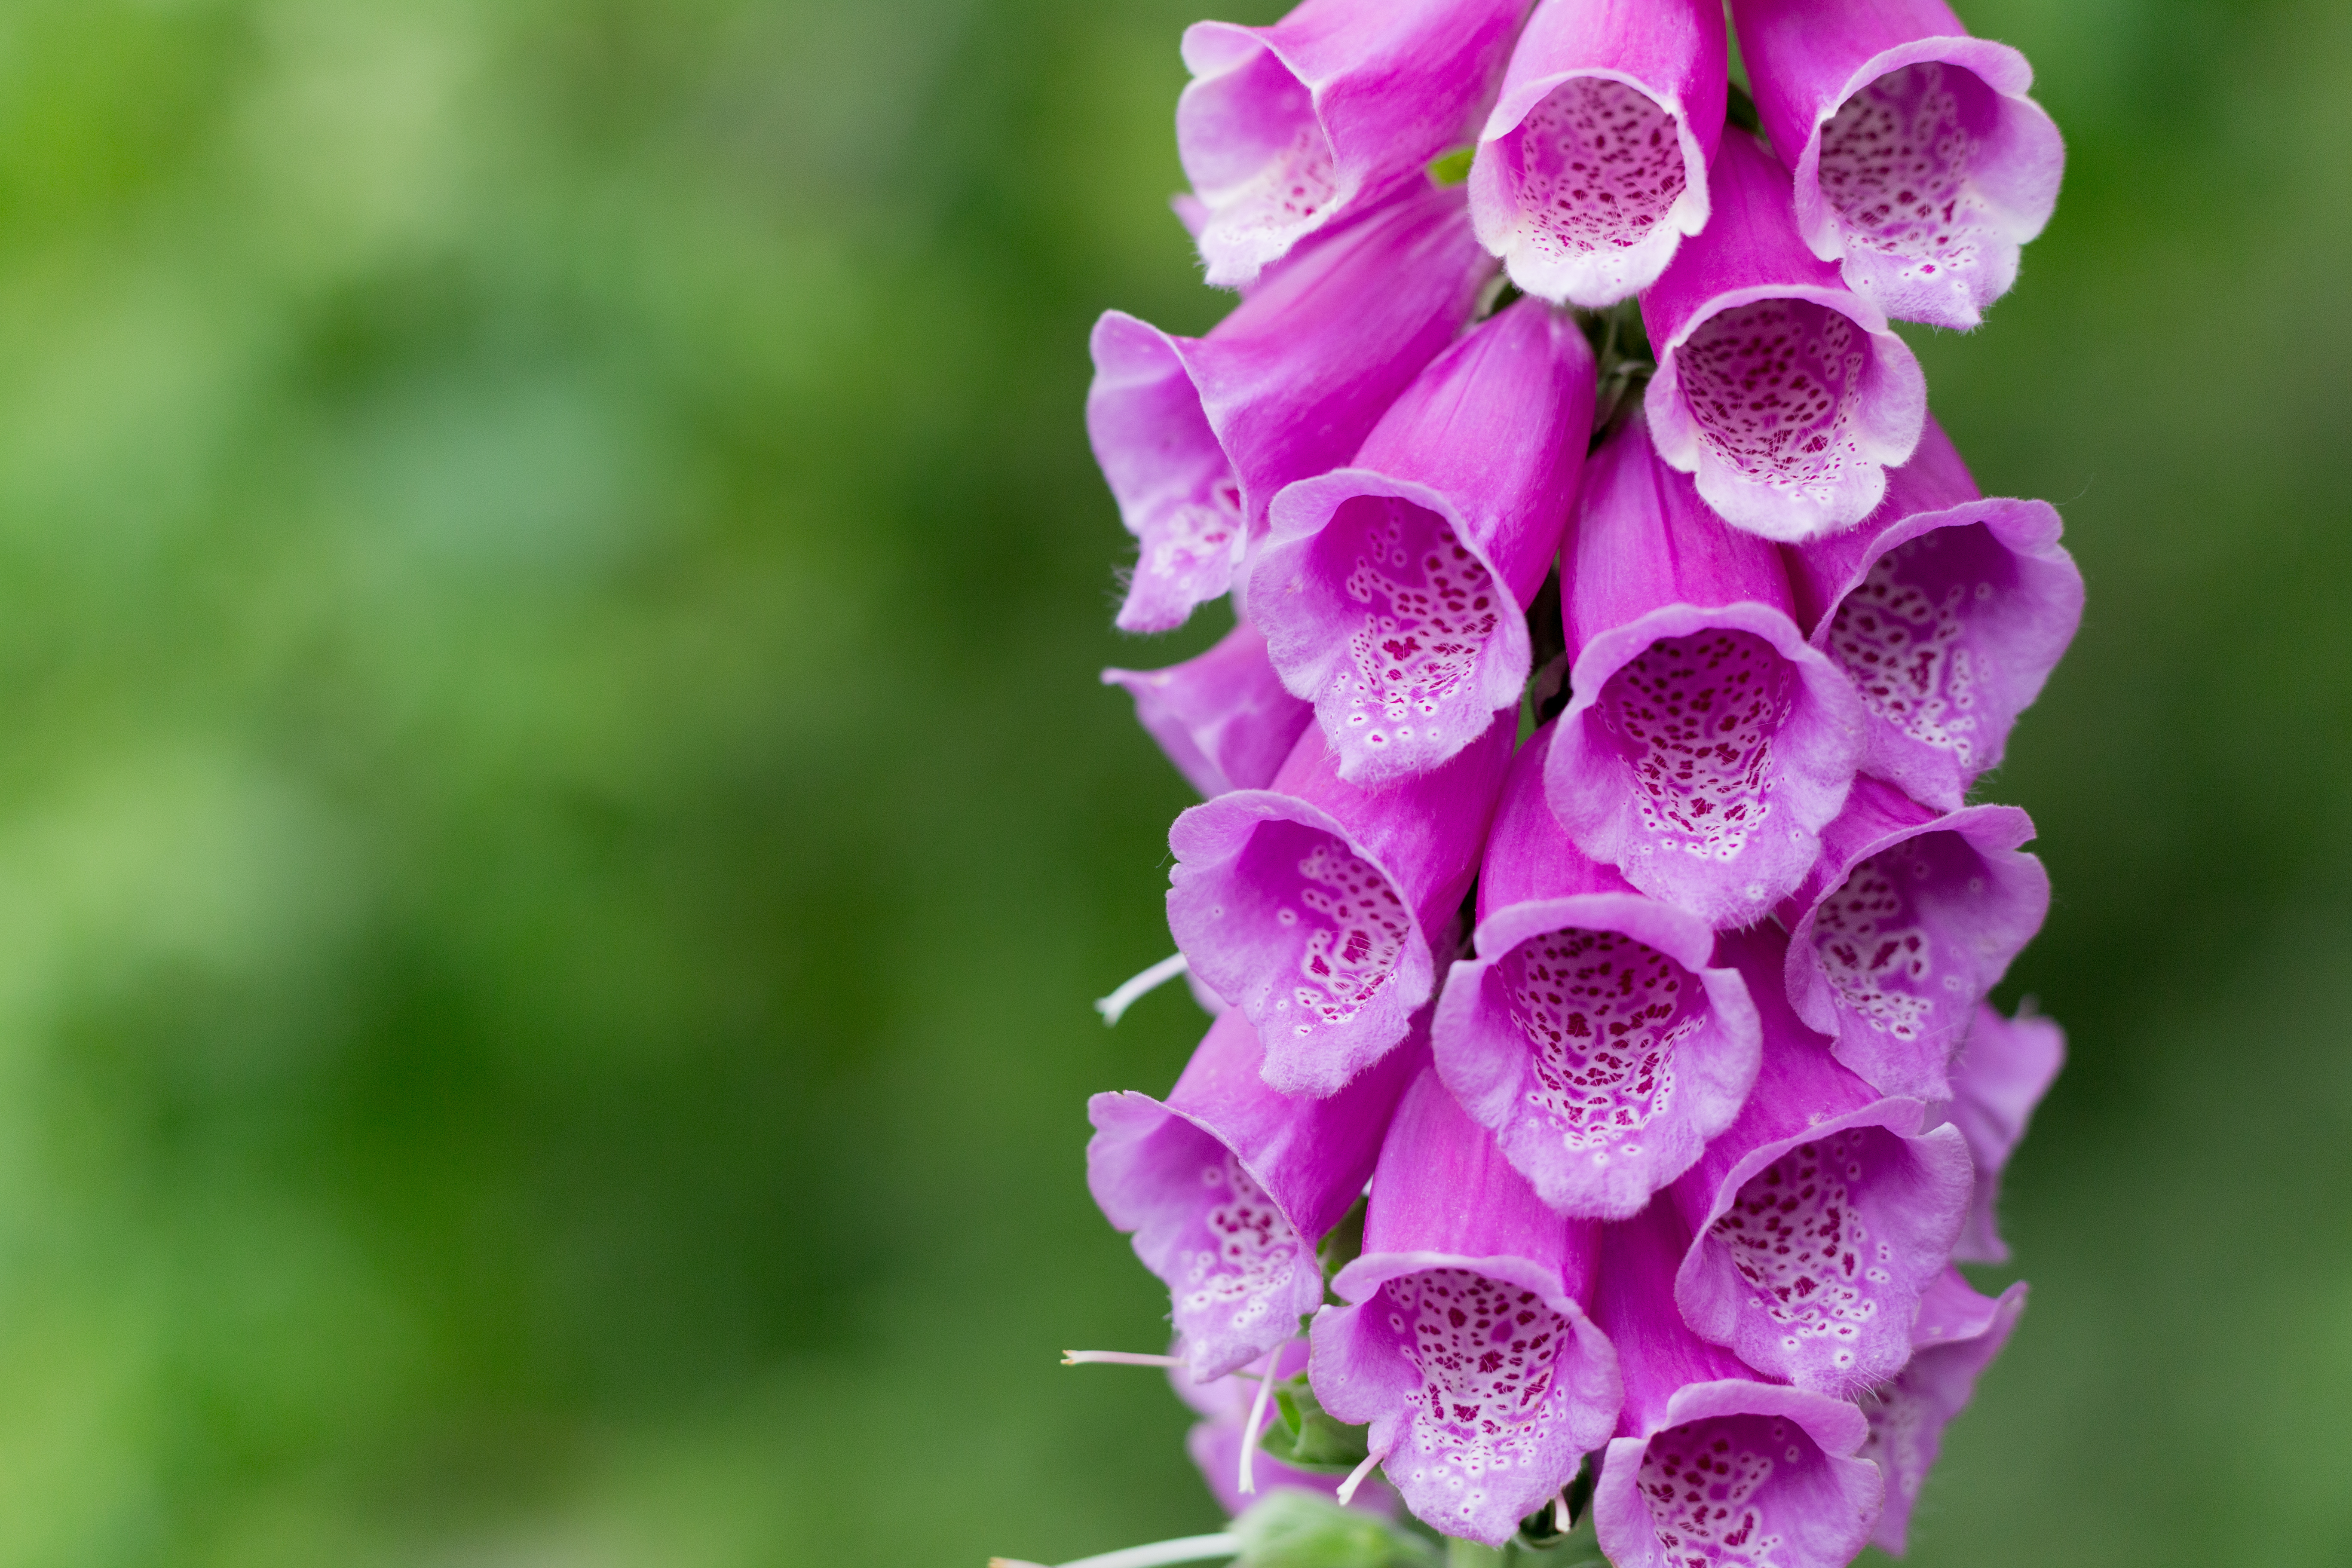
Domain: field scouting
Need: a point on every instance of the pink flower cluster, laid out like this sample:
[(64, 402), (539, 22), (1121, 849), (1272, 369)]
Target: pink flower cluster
[(1587, 871)]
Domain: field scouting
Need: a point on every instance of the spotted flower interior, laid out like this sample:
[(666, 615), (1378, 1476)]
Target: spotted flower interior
[(1777, 387), (1328, 927), (1720, 1492), (1694, 718)]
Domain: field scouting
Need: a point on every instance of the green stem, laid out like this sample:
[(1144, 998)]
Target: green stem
[(1470, 1554)]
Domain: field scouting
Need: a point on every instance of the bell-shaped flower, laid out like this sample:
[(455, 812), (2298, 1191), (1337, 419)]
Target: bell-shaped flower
[(1226, 1407), (1225, 718), (1314, 906), (1286, 129), (1910, 919), (1712, 1467), (1948, 612), (1592, 166), (2004, 1070), (1783, 390), (1706, 742), (1229, 1188), (1921, 165), (1465, 1343), (1820, 1219), (1393, 592), (1958, 1335), (1196, 434), (1593, 1034)]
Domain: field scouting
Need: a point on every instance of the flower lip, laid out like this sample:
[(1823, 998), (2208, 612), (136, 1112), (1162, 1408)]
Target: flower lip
[(1908, 1416), (1223, 718)]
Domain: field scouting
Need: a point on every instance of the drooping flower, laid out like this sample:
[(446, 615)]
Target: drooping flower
[(1948, 612), (1393, 592), (1196, 434), (1706, 742), (1780, 389), (1909, 921), (1286, 129), (1592, 166), (1225, 718), (1313, 906), (1465, 1343), (1958, 1335), (1823, 1215), (2004, 1070), (1921, 166), (1593, 1035), (1229, 1186), (1226, 1406), (1712, 1468)]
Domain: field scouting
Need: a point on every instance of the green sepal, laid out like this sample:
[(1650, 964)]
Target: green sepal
[(1342, 1246), (1306, 1437), (1452, 168), (1292, 1528)]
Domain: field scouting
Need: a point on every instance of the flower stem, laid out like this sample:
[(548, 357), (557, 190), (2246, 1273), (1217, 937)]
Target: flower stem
[(1191, 1549), (1470, 1554)]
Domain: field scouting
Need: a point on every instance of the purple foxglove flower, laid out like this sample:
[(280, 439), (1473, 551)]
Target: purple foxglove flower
[(1712, 1469), (1464, 1343), (1229, 1186), (1215, 1442), (1196, 434), (1313, 906), (1958, 1335), (1909, 921), (1921, 165), (1224, 718), (1592, 166), (1592, 1035), (1782, 389), (1393, 592), (1707, 742), (2004, 1070), (1948, 612), (1285, 129), (1823, 1215)]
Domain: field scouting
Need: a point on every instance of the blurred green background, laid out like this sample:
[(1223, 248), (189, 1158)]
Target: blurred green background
[(557, 828)]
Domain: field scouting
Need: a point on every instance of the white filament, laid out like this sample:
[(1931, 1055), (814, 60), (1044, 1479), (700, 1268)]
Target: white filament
[(1117, 1358), (1256, 1417), (1114, 1005), (1191, 1549), (1356, 1478)]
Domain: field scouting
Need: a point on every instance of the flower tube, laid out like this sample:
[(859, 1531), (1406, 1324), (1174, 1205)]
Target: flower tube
[(1196, 434), (1711, 1467), (1465, 1343), (1215, 1442), (1286, 129), (1313, 906), (1922, 166), (1393, 592), (1592, 166), (1948, 612), (1823, 1214), (1958, 1335), (1229, 1188), (1707, 742), (1780, 389), (1593, 1034), (1224, 718), (2004, 1070), (1909, 921)]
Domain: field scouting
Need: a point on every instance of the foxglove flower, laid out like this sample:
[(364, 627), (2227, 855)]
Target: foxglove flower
[(1948, 612), (1465, 1343), (1958, 1335), (1313, 907), (2004, 1070), (1286, 129), (1780, 389), (1907, 923), (1225, 719), (1921, 165), (1592, 166), (1196, 434), (1823, 1215), (1226, 1407), (1228, 1187), (1711, 1467), (1392, 592), (1593, 1034), (1707, 742)]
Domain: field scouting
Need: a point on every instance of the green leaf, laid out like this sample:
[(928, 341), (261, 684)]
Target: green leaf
[(1306, 1437), (1292, 1529), (1343, 1245)]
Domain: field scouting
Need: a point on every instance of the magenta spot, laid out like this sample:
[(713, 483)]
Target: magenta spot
[(1599, 164), (1694, 717), (1603, 1013), (1775, 388)]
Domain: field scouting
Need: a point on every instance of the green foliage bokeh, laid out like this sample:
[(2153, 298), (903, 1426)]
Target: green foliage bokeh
[(557, 827)]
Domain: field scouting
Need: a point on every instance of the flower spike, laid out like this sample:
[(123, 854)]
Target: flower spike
[(1921, 166), (1392, 592), (1594, 166)]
